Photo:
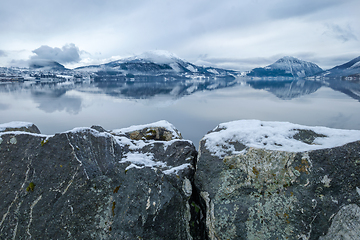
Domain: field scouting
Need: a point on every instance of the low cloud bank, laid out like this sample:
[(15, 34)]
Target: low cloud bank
[(67, 54)]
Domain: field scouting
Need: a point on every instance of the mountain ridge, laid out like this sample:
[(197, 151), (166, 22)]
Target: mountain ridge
[(349, 68), (156, 62), (165, 64)]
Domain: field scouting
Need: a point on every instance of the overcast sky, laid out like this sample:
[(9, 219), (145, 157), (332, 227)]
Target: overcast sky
[(232, 34)]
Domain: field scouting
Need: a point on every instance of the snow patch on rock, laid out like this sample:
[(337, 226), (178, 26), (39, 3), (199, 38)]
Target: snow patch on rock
[(15, 124), (273, 136), (163, 123)]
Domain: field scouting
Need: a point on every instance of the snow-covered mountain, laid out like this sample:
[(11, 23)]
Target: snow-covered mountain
[(287, 67), (349, 68), (155, 63)]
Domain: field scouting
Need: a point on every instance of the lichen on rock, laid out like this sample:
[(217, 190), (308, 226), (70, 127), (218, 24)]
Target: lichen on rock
[(286, 182)]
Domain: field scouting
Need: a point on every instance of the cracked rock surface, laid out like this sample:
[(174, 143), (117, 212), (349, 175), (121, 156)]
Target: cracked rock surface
[(255, 187), (249, 180), (90, 184)]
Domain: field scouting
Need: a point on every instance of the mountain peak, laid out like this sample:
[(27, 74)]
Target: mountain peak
[(287, 67), (289, 59)]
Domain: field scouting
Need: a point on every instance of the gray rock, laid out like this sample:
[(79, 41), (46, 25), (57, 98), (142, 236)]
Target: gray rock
[(258, 181), (345, 225), (253, 180), (161, 131), (86, 184)]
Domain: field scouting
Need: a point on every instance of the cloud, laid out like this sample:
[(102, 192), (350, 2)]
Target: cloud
[(341, 33), (289, 9), (19, 63), (2, 53), (240, 64), (67, 54)]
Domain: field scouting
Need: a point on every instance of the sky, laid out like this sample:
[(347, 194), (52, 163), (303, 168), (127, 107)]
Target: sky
[(231, 34)]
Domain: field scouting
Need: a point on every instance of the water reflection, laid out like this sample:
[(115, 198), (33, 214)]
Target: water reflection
[(4, 106), (53, 96), (286, 89), (52, 100), (146, 87), (352, 89), (194, 106)]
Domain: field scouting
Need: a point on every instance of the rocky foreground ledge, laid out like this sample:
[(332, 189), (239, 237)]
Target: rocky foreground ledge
[(249, 180)]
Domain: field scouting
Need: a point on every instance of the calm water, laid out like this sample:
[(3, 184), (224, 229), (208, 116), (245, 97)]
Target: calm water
[(194, 108)]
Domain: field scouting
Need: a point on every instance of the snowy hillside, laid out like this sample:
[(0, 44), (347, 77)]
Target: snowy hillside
[(155, 63), (349, 68), (287, 67)]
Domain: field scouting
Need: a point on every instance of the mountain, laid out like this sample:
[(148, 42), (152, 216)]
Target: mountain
[(347, 69), (287, 67), (44, 64), (154, 63)]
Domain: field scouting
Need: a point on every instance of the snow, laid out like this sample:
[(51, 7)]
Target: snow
[(212, 71), (14, 124), (356, 65), (175, 170), (175, 66), (272, 136), (140, 160), (163, 123), (191, 68)]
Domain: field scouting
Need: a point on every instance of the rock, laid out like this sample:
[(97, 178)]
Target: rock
[(162, 131), (90, 184), (253, 180), (270, 180), (19, 126), (345, 225)]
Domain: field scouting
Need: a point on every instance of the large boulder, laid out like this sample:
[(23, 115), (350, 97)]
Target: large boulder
[(272, 180), (89, 183)]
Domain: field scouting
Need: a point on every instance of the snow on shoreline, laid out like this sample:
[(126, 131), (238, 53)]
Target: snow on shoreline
[(273, 136)]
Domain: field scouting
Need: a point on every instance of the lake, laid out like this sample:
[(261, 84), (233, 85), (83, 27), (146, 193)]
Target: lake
[(193, 106)]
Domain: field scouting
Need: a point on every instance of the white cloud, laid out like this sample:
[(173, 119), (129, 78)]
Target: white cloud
[(67, 54), (343, 33)]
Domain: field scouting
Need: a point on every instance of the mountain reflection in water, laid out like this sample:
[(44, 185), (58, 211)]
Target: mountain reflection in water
[(195, 106)]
